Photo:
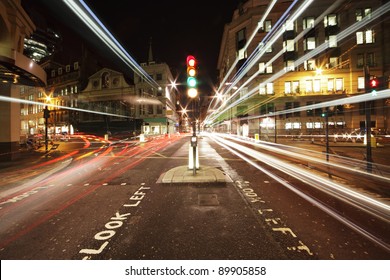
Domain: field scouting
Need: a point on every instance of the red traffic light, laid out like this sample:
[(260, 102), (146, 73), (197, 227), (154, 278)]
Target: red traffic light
[(191, 62), (374, 83)]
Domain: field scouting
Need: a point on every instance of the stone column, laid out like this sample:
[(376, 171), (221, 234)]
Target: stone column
[(9, 123)]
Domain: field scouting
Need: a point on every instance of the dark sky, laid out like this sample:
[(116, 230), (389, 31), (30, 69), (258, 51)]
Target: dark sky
[(177, 28)]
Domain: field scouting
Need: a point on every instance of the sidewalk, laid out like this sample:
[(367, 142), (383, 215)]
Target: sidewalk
[(25, 158)]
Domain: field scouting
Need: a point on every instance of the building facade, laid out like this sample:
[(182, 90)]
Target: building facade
[(325, 53), (157, 108)]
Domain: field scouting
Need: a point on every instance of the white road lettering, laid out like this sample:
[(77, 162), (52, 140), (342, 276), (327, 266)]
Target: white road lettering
[(115, 223)]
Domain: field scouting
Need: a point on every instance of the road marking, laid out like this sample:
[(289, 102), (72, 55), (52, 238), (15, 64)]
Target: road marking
[(275, 223), (115, 223)]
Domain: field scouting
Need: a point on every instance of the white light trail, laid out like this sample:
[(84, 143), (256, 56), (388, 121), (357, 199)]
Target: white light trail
[(23, 101), (370, 205), (342, 35), (85, 14)]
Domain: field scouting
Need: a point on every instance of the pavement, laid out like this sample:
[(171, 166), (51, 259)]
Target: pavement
[(205, 174)]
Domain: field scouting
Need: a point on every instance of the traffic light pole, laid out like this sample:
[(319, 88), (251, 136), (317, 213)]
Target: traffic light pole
[(327, 132), (46, 115), (367, 78), (368, 137)]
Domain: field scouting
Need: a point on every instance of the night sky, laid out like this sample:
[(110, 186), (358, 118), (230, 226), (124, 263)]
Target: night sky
[(177, 29)]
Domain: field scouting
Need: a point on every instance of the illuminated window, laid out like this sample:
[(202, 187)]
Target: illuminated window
[(361, 13), (287, 87), (359, 38), (317, 85), (309, 43), (289, 26), (330, 84), (332, 40), (267, 25), (361, 84), (333, 62), (308, 22), (309, 64), (241, 54), (240, 39), (289, 65), (330, 20), (369, 37), (266, 88), (295, 86), (270, 88), (288, 46), (339, 84), (309, 86), (268, 49), (365, 37), (261, 67)]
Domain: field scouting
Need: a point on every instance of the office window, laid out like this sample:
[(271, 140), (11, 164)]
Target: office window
[(369, 37), (287, 87), (365, 37), (333, 62), (267, 25), (330, 20), (289, 25), (295, 86), (339, 84), (288, 46), (309, 64), (240, 39), (269, 68), (289, 65), (309, 86), (266, 88), (332, 41), (361, 83), (261, 67), (317, 85), (241, 54), (330, 84), (308, 22), (309, 43), (361, 13), (359, 37)]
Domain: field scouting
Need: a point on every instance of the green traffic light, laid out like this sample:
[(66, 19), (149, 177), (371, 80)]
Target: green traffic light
[(191, 82)]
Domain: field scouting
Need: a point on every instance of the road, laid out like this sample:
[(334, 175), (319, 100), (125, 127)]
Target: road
[(99, 200)]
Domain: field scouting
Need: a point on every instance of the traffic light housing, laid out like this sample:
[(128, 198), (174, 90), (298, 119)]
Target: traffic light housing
[(191, 76), (377, 83), (374, 83)]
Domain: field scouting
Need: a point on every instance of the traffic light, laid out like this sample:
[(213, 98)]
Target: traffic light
[(191, 76), (374, 83)]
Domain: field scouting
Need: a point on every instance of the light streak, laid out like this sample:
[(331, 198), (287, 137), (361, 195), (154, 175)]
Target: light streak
[(348, 164), (89, 18), (360, 201), (23, 101), (342, 35)]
